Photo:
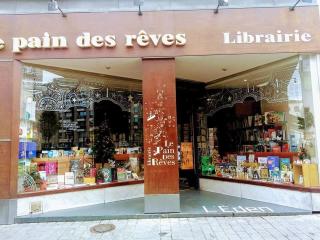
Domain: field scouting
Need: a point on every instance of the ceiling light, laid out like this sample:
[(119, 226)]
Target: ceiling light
[(263, 84), (221, 3), (138, 3), (108, 67), (294, 6), (245, 80), (54, 6)]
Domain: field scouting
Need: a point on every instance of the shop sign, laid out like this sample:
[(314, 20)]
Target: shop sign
[(277, 37), (88, 40), (144, 39), (238, 209)]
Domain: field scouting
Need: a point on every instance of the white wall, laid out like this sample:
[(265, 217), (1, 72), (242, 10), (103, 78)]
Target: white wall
[(69, 200), (296, 199)]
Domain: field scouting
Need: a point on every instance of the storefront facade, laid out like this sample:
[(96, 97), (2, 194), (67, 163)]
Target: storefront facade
[(157, 39)]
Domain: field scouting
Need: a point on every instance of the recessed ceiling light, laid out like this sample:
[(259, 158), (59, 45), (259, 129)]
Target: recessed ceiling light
[(245, 80), (263, 84)]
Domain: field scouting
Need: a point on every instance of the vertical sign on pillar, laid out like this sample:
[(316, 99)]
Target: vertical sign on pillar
[(160, 136)]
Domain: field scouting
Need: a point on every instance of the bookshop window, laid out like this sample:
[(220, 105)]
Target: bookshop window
[(270, 134), (77, 132)]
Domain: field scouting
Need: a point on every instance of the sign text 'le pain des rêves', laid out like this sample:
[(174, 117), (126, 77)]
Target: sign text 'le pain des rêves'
[(88, 40)]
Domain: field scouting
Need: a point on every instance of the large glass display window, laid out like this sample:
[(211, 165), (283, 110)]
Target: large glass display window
[(260, 126), (76, 132)]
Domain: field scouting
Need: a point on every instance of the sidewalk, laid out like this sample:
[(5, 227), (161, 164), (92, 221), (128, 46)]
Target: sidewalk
[(220, 228)]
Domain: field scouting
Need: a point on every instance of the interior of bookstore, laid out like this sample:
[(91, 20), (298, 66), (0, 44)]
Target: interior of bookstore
[(257, 124)]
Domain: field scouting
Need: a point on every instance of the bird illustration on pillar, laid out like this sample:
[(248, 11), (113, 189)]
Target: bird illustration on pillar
[(161, 149), (160, 136)]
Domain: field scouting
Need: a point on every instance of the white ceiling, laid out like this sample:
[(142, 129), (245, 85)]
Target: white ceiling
[(195, 68)]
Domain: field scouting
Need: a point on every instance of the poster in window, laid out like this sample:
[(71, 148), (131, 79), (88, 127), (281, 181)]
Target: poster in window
[(186, 156)]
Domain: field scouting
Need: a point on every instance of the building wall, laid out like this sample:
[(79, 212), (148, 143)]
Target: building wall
[(195, 23), (41, 6)]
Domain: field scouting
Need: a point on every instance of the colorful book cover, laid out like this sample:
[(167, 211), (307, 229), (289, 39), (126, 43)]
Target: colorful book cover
[(33, 167), (285, 164), (285, 147), (273, 163), (275, 175), (286, 176), (258, 120), (241, 159), (74, 165), (274, 117), (251, 158), (107, 174), (27, 150), (263, 160), (51, 168), (264, 173), (276, 149), (121, 174)]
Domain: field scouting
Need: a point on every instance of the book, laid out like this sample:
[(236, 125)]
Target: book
[(276, 149), (275, 175), (74, 165), (69, 178), (258, 120), (272, 133), (251, 158), (286, 176), (273, 163), (121, 174), (107, 174), (241, 159), (285, 147), (274, 117), (262, 160), (51, 168), (264, 173), (285, 164)]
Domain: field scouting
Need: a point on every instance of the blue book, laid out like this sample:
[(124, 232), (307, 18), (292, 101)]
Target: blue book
[(273, 163)]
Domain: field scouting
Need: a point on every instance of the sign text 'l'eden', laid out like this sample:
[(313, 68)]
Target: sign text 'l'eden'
[(87, 40)]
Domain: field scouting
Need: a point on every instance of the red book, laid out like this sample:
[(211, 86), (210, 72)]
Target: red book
[(285, 147), (276, 149)]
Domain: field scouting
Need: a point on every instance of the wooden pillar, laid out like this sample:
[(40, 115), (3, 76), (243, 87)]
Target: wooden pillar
[(161, 174), (10, 78)]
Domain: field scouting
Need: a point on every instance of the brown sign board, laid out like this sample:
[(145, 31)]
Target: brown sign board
[(199, 32)]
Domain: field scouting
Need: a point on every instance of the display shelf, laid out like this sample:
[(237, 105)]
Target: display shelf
[(125, 157), (80, 188)]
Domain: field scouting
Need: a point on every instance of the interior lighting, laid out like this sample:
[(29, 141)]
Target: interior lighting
[(221, 3)]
